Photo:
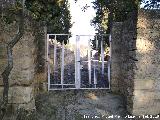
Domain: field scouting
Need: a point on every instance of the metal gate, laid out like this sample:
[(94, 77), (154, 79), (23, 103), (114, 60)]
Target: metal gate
[(82, 64)]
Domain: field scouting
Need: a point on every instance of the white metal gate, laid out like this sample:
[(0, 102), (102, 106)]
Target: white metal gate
[(78, 66)]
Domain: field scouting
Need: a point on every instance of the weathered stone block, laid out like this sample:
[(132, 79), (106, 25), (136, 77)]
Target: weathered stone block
[(147, 68), (28, 106), (19, 95), (25, 77), (144, 84), (146, 95), (146, 102), (23, 61), (146, 107)]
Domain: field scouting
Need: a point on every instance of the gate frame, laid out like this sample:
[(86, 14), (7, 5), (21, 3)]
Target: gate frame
[(76, 63)]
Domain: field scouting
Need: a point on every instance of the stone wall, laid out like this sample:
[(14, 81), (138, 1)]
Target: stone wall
[(123, 58), (27, 63), (128, 59), (40, 78), (135, 61), (116, 58), (146, 95)]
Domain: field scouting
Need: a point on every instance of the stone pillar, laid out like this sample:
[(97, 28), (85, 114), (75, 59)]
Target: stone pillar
[(116, 76), (21, 78), (40, 34), (22, 75), (146, 95), (135, 70)]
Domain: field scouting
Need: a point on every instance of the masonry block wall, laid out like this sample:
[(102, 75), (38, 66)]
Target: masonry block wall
[(123, 58), (28, 63), (21, 91), (146, 95), (136, 61)]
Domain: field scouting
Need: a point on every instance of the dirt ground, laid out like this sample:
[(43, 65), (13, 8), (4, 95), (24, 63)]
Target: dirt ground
[(80, 105)]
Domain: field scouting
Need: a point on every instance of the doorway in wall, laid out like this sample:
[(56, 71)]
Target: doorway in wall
[(78, 66)]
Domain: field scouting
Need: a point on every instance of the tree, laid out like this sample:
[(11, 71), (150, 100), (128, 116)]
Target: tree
[(118, 10), (115, 10), (108, 11), (54, 14)]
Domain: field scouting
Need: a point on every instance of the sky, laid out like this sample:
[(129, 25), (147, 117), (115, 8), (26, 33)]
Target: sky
[(80, 19)]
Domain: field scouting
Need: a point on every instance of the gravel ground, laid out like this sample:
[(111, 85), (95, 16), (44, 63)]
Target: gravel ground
[(80, 105), (76, 105)]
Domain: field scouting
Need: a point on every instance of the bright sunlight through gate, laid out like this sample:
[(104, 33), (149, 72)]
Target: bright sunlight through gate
[(78, 65)]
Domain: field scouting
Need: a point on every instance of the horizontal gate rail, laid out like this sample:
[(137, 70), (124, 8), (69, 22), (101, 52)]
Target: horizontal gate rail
[(71, 88), (78, 35), (96, 78)]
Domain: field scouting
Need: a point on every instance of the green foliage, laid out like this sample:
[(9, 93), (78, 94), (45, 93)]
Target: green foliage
[(12, 13), (55, 14), (61, 21), (43, 10), (108, 11), (117, 11), (52, 13)]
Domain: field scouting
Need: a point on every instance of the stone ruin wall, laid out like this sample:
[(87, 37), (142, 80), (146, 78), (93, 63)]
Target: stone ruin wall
[(146, 95), (136, 62), (28, 63)]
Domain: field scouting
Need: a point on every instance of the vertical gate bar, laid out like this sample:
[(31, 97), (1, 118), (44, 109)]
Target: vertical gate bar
[(102, 55), (102, 59), (48, 61), (75, 53), (55, 56), (96, 43), (89, 61), (95, 77), (62, 64), (77, 62), (95, 74), (109, 61)]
